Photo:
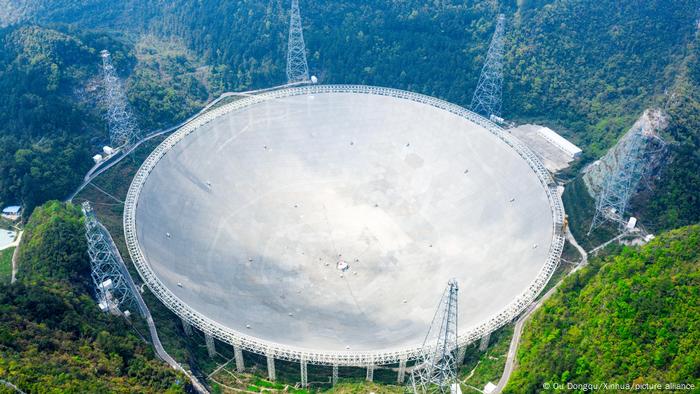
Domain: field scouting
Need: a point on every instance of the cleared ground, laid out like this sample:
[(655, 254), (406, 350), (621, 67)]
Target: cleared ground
[(246, 219), (553, 158)]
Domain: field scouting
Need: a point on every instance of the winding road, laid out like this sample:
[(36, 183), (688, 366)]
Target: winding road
[(518, 330)]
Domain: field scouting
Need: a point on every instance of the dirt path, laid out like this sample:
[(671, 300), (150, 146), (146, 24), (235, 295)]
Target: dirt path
[(15, 255)]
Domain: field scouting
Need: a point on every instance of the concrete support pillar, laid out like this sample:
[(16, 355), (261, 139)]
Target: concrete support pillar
[(304, 375), (270, 367), (210, 344), (484, 344), (238, 356), (334, 378), (461, 352), (370, 373), (187, 327), (402, 371)]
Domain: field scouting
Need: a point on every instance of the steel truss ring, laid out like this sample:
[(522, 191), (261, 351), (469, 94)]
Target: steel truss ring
[(342, 358)]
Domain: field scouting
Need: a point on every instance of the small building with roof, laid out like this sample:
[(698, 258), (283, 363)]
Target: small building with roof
[(12, 212)]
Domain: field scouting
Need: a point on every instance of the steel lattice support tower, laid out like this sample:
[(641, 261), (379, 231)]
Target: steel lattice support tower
[(123, 130), (111, 287), (621, 183), (334, 376), (487, 96), (297, 67), (436, 369)]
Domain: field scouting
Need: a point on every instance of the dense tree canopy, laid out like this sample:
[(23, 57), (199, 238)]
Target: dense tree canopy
[(54, 246), (45, 130), (630, 318), (587, 68), (676, 199), (53, 338)]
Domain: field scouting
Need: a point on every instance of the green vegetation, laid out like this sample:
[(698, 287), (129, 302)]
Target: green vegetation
[(592, 67), (42, 135), (629, 318), (53, 336), (479, 367), (364, 388), (676, 200), (580, 208), (53, 246), (167, 85), (50, 115), (6, 265), (587, 69)]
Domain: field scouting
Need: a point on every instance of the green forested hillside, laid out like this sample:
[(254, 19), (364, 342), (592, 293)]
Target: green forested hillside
[(168, 84), (53, 338), (45, 131), (631, 318), (675, 200), (54, 247), (50, 113), (587, 68), (593, 67)]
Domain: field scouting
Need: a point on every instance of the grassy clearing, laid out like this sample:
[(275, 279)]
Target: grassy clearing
[(365, 387), (480, 368), (225, 381), (6, 265)]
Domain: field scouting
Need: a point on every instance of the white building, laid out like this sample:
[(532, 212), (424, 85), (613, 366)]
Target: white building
[(12, 212), (97, 159), (560, 142), (107, 150)]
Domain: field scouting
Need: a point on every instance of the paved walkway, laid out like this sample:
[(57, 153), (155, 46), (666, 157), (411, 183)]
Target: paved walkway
[(633, 232), (15, 254)]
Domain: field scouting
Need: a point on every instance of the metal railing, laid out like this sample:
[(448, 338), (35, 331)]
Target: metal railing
[(345, 358)]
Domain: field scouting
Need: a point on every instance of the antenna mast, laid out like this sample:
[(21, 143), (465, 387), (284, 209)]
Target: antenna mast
[(436, 369), (621, 182), (123, 130), (487, 96), (297, 67), (111, 286)]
